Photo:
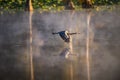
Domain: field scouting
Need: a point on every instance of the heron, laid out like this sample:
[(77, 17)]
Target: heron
[(65, 35)]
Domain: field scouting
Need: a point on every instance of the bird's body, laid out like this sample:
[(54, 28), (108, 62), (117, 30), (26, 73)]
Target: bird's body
[(64, 35)]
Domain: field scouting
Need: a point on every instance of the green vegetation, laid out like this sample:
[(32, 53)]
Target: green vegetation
[(12, 4), (106, 2), (49, 4)]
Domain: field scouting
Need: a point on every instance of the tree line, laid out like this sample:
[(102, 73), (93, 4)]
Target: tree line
[(68, 4)]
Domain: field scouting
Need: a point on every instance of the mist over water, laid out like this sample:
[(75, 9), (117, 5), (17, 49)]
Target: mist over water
[(104, 45)]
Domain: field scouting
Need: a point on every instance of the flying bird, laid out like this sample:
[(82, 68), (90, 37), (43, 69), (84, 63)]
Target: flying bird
[(65, 35)]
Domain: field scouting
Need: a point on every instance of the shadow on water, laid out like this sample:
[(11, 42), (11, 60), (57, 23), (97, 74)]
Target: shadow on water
[(49, 62)]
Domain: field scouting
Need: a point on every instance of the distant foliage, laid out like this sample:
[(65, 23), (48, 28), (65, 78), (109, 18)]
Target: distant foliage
[(48, 4), (106, 2), (12, 4)]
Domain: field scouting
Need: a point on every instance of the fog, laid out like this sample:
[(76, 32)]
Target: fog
[(104, 45)]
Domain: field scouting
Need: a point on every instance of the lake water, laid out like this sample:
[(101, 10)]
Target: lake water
[(29, 50)]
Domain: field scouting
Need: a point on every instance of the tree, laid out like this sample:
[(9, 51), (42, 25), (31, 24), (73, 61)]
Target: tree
[(28, 5), (87, 4), (69, 4)]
